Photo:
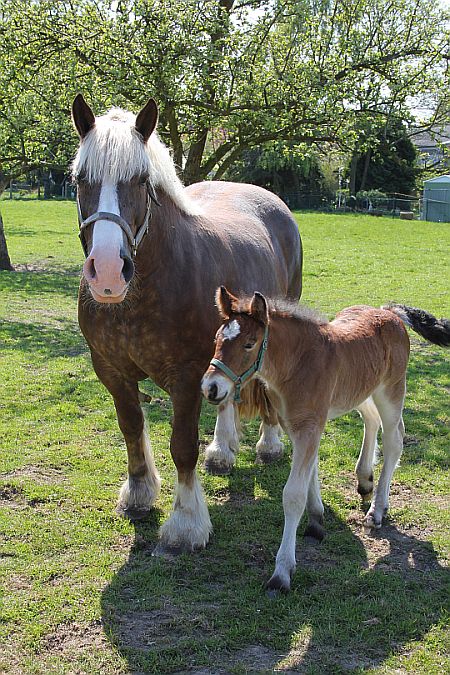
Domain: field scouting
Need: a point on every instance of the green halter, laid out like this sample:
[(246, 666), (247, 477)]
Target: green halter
[(239, 380)]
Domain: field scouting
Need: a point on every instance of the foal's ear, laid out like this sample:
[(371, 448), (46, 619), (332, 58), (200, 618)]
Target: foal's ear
[(82, 115), (224, 302), (147, 119), (258, 308)]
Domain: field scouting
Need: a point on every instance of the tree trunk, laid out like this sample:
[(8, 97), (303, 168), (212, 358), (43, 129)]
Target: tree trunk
[(5, 262), (367, 158), (353, 167)]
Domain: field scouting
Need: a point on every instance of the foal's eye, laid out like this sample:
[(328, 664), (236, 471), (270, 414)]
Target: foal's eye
[(249, 345), (143, 180)]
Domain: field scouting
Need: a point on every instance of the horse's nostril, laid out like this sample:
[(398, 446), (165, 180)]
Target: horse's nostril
[(90, 269), (213, 391), (128, 268)]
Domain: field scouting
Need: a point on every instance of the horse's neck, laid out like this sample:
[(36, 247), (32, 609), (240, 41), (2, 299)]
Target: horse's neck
[(290, 338), (170, 233)]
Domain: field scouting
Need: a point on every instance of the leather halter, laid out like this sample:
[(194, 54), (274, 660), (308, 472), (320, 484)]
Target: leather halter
[(133, 240), (239, 380)]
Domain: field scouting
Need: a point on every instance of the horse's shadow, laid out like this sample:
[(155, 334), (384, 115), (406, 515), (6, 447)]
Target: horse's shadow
[(355, 600)]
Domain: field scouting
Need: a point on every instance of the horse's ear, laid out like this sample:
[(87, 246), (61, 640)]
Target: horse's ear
[(224, 302), (82, 115), (147, 119), (258, 308)]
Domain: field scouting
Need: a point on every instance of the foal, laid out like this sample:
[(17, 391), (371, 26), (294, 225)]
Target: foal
[(317, 370)]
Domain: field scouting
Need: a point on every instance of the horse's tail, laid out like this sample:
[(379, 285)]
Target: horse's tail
[(425, 324)]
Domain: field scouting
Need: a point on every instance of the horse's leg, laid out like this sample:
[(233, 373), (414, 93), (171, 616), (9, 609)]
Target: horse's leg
[(220, 454), (188, 527), (141, 489), (389, 401), (305, 447), (364, 465), (269, 448), (314, 506)]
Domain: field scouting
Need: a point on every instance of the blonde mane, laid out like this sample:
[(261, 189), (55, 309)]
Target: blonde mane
[(114, 150)]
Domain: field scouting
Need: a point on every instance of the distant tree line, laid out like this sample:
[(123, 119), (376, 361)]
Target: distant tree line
[(230, 76)]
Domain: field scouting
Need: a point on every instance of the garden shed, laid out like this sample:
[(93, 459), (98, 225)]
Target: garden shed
[(436, 199)]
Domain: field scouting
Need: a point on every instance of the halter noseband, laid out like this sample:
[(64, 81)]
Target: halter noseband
[(133, 240), (239, 380)]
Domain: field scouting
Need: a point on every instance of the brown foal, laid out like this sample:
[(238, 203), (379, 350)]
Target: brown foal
[(317, 370)]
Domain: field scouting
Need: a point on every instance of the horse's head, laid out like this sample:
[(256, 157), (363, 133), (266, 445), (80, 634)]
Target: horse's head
[(240, 345), (113, 172)]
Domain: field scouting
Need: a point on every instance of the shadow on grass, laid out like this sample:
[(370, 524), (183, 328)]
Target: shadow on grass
[(208, 612), (42, 339), (38, 282)]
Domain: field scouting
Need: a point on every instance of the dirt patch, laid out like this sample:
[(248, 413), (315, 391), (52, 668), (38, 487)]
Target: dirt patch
[(74, 637), (12, 497), (37, 474), (145, 630)]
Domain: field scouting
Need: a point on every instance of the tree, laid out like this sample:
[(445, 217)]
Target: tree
[(284, 168), (389, 164), (230, 75)]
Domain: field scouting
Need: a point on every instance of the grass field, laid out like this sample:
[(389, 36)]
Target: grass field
[(79, 589)]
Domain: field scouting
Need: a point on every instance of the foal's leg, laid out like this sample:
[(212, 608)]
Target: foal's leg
[(188, 527), (364, 465), (305, 446), (389, 401), (141, 489), (220, 453), (314, 506)]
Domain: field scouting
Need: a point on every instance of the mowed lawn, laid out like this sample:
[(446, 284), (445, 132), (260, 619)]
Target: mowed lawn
[(79, 589)]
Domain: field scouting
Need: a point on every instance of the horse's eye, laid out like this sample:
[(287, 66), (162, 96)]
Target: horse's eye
[(249, 345), (143, 180)]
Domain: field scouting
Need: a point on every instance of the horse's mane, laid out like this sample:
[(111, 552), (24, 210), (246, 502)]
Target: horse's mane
[(114, 150)]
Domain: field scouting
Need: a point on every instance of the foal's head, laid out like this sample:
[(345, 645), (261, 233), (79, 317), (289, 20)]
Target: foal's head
[(112, 169), (238, 343)]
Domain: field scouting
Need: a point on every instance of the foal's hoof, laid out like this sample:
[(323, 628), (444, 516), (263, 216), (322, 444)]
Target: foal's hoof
[(276, 585), (133, 513), (314, 531), (371, 523)]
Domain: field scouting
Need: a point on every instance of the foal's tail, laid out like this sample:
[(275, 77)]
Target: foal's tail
[(434, 330)]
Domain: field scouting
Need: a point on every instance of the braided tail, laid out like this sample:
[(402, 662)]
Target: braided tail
[(434, 330)]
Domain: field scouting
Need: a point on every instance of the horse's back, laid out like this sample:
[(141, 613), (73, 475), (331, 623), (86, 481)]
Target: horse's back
[(249, 216)]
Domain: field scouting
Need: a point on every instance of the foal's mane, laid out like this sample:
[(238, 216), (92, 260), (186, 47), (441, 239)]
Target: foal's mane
[(284, 309), (114, 150)]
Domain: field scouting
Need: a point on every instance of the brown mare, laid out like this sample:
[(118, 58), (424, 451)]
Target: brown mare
[(155, 253), (317, 370)]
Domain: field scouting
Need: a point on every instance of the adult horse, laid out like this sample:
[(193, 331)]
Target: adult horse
[(155, 252)]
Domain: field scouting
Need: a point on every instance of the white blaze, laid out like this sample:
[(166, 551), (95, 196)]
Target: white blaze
[(108, 235), (231, 331)]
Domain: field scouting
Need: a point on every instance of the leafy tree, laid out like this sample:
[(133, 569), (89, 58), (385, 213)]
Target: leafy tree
[(286, 169), (389, 164), (234, 74)]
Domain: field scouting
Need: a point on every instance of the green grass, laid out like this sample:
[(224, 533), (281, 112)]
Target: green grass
[(79, 590)]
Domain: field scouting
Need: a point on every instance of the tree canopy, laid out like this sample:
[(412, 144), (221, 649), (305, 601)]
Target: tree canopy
[(229, 75)]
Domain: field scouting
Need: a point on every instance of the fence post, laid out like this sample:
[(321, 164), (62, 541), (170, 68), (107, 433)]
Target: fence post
[(10, 188)]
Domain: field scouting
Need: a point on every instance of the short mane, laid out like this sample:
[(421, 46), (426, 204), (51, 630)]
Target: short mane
[(113, 149), (283, 308)]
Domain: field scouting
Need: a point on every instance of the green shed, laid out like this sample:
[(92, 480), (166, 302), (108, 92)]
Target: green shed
[(436, 199)]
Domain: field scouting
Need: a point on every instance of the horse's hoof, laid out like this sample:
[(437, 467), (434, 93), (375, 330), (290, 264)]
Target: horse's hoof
[(133, 513), (217, 468), (314, 531), (169, 552), (268, 457)]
